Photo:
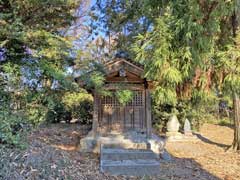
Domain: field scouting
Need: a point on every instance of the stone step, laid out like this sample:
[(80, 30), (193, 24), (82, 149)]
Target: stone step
[(132, 162), (131, 167), (126, 154), (122, 144)]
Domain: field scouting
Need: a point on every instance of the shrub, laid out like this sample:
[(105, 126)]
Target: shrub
[(12, 127), (161, 115), (58, 114), (183, 110), (80, 105), (36, 114)]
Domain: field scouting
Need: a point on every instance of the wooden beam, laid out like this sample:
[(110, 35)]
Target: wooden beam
[(117, 65), (148, 113), (117, 60), (115, 86), (95, 115), (130, 77)]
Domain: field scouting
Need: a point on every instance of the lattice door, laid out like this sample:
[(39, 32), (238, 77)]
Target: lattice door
[(117, 117)]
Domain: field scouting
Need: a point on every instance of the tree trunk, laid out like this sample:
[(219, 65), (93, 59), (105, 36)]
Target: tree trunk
[(236, 105), (236, 101)]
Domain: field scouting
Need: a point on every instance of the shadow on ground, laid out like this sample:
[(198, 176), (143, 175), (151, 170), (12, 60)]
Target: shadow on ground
[(206, 140)]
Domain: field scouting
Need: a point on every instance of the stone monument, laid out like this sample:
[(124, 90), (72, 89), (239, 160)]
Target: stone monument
[(173, 124), (173, 128), (187, 128)]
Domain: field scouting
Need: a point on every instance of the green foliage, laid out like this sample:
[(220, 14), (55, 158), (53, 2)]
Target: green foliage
[(225, 122), (80, 105), (33, 48), (59, 107), (197, 114), (12, 128), (229, 61), (95, 80), (159, 60), (124, 96), (183, 40), (73, 99), (161, 115), (36, 113), (164, 95), (84, 112), (57, 113), (92, 74)]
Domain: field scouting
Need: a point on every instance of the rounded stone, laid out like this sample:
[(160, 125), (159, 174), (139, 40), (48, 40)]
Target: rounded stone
[(187, 126), (173, 124)]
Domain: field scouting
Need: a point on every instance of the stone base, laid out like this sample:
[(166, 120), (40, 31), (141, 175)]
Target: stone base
[(188, 133), (176, 136), (88, 143), (128, 140)]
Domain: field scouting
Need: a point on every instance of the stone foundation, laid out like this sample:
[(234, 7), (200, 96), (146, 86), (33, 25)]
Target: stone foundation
[(128, 140)]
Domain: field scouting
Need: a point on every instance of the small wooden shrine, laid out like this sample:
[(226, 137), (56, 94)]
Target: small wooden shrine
[(122, 132), (109, 115)]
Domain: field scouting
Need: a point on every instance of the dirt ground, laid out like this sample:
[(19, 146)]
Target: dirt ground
[(207, 158), (53, 153)]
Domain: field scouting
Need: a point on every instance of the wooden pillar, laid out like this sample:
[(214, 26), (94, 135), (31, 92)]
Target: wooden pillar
[(148, 113), (95, 114)]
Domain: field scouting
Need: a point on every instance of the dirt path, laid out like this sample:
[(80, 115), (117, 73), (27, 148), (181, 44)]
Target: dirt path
[(53, 154)]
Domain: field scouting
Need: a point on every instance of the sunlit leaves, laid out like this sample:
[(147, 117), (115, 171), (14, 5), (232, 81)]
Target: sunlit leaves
[(124, 96), (183, 39), (164, 95), (48, 45), (93, 80), (172, 75), (229, 62), (73, 99), (159, 60)]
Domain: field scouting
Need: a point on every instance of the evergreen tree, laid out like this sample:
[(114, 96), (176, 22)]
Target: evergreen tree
[(34, 54)]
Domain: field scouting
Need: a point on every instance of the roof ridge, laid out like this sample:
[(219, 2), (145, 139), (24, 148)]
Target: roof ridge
[(126, 59)]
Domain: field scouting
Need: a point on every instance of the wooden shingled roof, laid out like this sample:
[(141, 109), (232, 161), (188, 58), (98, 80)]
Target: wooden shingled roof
[(117, 63)]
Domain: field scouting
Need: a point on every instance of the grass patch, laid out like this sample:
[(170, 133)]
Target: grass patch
[(221, 122)]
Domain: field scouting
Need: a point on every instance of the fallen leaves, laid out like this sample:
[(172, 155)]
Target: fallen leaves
[(52, 153)]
